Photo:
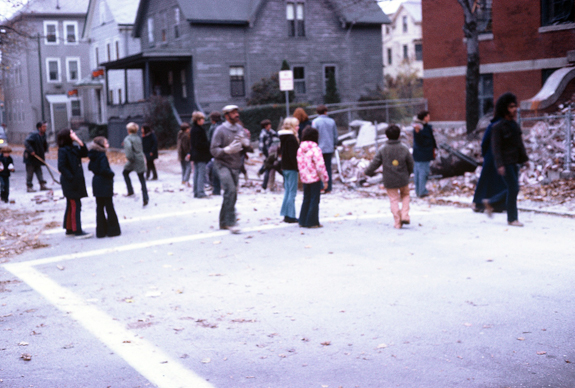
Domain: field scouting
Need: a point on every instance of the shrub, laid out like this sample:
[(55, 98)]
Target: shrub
[(160, 116)]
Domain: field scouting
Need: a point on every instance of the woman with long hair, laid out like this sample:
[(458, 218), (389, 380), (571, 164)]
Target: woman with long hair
[(508, 152), (289, 145), (72, 180), (303, 119)]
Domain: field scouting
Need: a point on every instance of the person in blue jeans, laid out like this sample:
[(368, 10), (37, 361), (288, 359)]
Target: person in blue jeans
[(424, 147), (289, 146), (327, 142), (508, 152)]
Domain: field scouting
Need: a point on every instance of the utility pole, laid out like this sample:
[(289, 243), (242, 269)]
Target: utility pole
[(41, 78)]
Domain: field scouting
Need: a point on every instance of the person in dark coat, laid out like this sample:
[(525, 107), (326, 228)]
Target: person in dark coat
[(150, 145), (103, 189), (289, 145), (199, 153), (72, 180), (6, 167), (36, 147), (508, 153), (490, 183), (424, 147)]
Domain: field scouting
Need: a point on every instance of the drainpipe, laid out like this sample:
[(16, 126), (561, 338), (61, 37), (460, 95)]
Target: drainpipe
[(41, 79)]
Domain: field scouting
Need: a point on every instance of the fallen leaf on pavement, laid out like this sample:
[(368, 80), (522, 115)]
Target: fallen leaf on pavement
[(206, 360), (541, 353), (521, 338), (326, 343), (217, 242), (26, 356), (381, 346), (61, 268), (467, 324)]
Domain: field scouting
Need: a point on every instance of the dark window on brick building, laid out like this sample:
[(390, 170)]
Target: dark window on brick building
[(484, 8), (237, 83), (546, 73), (295, 18), (557, 12), (405, 52), (485, 93), (299, 79), (418, 52)]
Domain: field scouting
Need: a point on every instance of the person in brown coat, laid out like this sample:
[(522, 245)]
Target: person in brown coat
[(397, 164)]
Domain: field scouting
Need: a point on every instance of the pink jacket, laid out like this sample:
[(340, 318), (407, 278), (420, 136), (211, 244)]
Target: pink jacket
[(310, 163)]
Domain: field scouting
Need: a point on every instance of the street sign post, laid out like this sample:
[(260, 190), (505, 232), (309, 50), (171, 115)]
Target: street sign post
[(286, 84)]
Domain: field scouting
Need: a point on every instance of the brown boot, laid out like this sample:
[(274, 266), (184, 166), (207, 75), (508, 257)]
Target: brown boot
[(43, 187), (30, 190)]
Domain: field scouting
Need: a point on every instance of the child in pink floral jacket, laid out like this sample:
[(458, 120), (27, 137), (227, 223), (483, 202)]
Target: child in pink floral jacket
[(312, 172)]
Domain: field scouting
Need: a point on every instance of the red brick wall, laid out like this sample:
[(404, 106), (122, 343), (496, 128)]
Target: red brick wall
[(516, 37)]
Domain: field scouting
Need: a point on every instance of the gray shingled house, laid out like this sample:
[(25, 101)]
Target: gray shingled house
[(208, 53)]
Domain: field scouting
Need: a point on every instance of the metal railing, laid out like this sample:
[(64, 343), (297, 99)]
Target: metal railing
[(568, 117)]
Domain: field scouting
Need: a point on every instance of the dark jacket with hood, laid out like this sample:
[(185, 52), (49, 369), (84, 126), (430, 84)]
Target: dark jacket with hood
[(150, 146), (103, 180), (200, 145), (70, 166), (396, 162)]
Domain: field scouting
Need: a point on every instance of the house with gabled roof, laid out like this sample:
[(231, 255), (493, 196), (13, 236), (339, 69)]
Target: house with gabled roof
[(208, 53), (402, 43), (42, 65), (108, 30)]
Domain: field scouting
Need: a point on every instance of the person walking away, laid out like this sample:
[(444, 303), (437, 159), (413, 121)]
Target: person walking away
[(289, 146), (303, 119), (490, 183), (311, 166), (150, 145), (107, 223), (199, 153), (216, 120), (266, 139), (35, 146), (397, 165), (72, 180), (136, 161), (327, 130), (6, 167), (227, 144), (508, 152), (183, 146), (424, 147)]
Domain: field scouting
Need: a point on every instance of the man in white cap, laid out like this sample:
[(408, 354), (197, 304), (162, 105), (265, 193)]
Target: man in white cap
[(228, 142)]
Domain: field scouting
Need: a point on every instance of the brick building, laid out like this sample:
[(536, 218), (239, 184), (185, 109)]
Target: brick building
[(521, 44)]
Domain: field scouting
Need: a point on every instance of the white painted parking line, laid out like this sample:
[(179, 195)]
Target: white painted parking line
[(149, 360), (146, 218), (202, 236)]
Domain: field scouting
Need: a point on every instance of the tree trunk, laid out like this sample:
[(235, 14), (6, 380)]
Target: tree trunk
[(472, 75)]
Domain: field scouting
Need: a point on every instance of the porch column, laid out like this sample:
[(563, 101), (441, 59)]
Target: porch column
[(147, 91), (126, 85)]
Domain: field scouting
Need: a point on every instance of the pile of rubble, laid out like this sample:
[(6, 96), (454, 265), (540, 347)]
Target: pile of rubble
[(539, 178)]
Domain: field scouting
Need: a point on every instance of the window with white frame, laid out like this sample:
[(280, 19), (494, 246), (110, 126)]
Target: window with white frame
[(237, 83), (295, 15), (120, 99), (73, 69), (108, 52), (404, 23), (71, 32), (299, 79), (117, 48), (485, 93), (53, 69), (111, 97), (151, 31), (405, 52), (418, 52), (97, 56), (184, 84), (76, 107), (389, 57), (50, 32), (176, 23)]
